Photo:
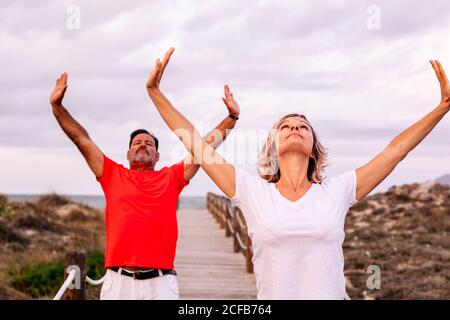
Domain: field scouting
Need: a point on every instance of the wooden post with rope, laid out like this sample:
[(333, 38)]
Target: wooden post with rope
[(75, 260)]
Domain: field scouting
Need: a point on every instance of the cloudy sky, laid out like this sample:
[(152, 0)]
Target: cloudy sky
[(357, 69)]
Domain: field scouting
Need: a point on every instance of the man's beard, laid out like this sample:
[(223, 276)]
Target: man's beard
[(143, 156)]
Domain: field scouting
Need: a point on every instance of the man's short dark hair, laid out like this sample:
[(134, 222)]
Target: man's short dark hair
[(139, 131)]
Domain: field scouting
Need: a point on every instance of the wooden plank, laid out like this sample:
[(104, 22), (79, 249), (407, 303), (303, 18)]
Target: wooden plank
[(205, 262)]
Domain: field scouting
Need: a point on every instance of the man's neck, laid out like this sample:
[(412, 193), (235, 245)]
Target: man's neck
[(142, 166)]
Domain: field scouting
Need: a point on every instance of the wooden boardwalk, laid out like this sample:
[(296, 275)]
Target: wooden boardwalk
[(205, 262)]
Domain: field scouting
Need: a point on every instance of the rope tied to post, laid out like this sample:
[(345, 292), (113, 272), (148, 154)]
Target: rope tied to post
[(69, 280), (75, 269), (95, 282)]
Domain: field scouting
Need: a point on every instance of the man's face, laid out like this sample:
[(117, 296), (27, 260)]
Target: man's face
[(143, 150)]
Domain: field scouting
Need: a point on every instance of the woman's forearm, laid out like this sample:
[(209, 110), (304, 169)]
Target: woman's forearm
[(181, 126), (412, 136)]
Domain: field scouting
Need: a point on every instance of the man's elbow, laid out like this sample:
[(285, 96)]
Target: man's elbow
[(83, 143)]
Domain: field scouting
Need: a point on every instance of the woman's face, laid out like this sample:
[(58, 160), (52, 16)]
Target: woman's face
[(294, 134)]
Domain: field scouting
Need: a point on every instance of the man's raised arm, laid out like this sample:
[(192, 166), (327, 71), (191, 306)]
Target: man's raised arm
[(217, 135), (75, 132)]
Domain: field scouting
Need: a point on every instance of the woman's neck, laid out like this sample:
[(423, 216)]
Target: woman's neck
[(294, 172)]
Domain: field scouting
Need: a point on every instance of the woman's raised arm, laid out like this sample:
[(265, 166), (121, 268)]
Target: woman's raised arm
[(376, 170), (217, 168)]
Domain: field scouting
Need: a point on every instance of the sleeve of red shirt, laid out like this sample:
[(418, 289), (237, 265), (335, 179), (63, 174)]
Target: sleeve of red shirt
[(108, 167), (178, 171)]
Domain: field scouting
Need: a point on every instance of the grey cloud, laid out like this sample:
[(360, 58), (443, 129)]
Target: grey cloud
[(317, 58)]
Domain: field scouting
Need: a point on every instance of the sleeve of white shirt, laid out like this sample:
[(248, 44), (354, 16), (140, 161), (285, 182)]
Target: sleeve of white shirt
[(246, 184), (244, 181), (346, 182)]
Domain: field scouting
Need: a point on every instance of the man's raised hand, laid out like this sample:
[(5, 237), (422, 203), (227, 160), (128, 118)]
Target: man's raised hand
[(232, 105), (60, 89)]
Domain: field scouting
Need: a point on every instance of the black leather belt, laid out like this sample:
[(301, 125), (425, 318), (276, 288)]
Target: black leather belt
[(143, 275)]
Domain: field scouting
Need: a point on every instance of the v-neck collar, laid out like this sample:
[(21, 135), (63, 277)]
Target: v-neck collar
[(298, 201)]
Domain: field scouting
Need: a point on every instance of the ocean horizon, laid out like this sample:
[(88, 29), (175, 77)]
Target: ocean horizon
[(98, 202)]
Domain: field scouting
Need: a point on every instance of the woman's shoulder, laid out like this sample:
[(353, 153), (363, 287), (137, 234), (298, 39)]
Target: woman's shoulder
[(342, 179), (248, 185), (246, 176), (339, 176)]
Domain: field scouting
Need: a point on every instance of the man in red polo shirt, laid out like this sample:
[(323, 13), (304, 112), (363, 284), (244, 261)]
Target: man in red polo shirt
[(141, 222)]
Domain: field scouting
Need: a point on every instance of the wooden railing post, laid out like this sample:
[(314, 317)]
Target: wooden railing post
[(222, 213), (231, 219), (77, 261), (228, 230), (237, 230), (249, 255)]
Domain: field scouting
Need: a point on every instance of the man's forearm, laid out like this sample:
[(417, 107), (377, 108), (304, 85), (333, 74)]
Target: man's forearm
[(69, 125), (219, 133)]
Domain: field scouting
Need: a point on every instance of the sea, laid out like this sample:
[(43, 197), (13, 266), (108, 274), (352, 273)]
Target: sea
[(99, 201)]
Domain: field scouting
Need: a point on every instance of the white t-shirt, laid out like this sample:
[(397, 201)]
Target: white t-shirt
[(297, 245)]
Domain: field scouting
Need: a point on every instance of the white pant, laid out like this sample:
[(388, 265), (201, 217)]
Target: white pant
[(120, 287)]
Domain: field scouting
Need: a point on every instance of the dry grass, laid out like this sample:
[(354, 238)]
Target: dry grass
[(405, 233), (42, 232)]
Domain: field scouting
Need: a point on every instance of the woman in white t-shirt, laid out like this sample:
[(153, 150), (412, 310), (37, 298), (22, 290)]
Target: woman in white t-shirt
[(295, 218)]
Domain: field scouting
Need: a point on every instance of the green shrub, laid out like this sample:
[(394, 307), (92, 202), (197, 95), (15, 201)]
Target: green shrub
[(95, 265), (38, 280), (46, 278)]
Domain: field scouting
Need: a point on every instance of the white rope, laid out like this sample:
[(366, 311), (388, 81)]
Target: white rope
[(95, 282), (241, 244), (66, 284), (242, 225), (230, 227)]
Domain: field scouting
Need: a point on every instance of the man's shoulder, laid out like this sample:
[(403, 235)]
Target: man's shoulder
[(174, 166)]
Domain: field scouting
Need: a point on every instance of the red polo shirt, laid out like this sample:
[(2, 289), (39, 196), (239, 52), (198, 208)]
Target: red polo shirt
[(141, 221)]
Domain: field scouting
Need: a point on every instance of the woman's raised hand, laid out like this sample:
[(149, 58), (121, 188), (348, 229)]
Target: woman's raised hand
[(156, 74), (443, 81)]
